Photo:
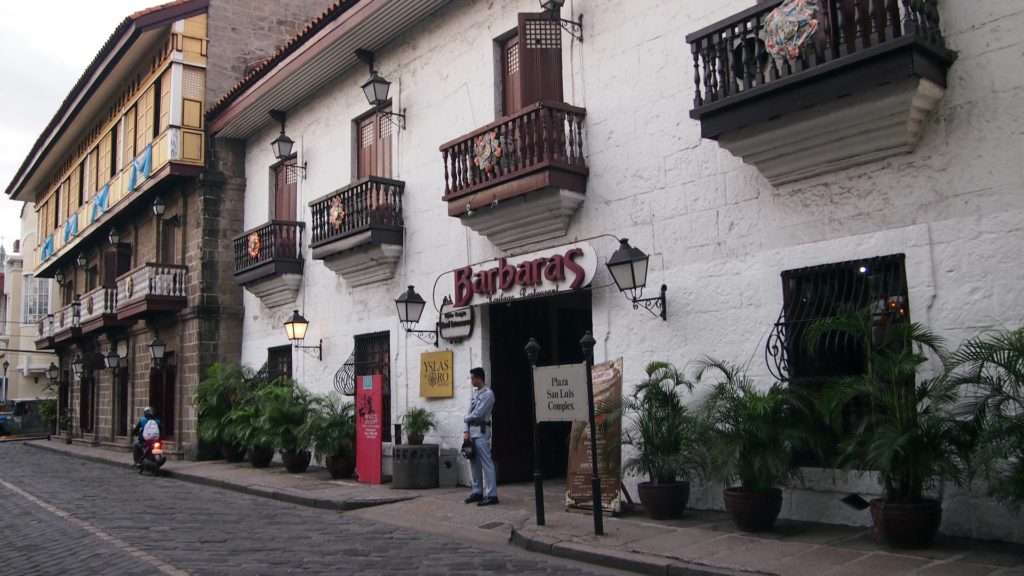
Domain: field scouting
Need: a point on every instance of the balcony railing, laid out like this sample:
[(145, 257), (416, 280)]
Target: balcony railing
[(371, 203), (151, 288), (543, 135), (276, 241), (44, 327), (730, 58)]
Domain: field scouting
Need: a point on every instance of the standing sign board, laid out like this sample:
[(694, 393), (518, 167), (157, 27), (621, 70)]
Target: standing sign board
[(560, 392), (607, 386), (369, 428)]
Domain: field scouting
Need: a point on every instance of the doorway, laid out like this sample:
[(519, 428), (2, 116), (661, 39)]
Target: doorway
[(558, 323)]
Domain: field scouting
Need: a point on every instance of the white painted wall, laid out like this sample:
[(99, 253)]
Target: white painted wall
[(718, 233)]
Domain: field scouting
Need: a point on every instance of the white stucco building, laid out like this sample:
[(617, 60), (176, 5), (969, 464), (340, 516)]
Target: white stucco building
[(727, 167)]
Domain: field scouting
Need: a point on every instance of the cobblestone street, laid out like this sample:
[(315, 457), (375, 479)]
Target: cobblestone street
[(68, 516)]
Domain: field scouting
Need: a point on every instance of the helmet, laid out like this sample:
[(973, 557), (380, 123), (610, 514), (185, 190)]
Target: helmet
[(147, 412)]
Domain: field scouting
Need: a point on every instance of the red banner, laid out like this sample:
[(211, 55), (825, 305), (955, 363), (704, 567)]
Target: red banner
[(369, 429)]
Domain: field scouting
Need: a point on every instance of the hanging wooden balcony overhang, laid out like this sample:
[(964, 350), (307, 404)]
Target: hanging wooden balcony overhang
[(66, 324), (151, 289), (358, 230), (521, 178), (858, 90), (44, 333), (99, 310), (268, 261)]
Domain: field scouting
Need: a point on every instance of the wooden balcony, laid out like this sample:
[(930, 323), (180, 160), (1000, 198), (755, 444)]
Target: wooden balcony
[(99, 310), (538, 155), (858, 91), (357, 230), (151, 289), (268, 261), (44, 335), (67, 323)]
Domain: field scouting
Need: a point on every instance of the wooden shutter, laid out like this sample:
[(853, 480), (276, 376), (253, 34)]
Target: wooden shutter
[(366, 146), (103, 168), (164, 106), (130, 127), (540, 58), (145, 113), (168, 242), (75, 194), (382, 154), (512, 80)]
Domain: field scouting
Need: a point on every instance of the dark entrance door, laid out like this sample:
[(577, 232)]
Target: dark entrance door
[(558, 323)]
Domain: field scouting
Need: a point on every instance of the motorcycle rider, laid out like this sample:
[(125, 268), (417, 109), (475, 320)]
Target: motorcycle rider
[(139, 443)]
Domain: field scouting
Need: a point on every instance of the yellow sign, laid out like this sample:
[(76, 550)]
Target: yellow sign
[(436, 376)]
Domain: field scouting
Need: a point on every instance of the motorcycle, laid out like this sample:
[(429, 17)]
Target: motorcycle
[(152, 457)]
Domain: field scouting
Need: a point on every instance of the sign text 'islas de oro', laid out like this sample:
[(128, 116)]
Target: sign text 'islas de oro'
[(542, 273)]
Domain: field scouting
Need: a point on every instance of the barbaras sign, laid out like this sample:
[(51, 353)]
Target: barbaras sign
[(542, 273)]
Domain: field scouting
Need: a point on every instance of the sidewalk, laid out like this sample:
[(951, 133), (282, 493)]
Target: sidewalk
[(702, 543)]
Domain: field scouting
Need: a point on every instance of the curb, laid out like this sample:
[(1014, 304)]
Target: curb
[(344, 505), (620, 560)]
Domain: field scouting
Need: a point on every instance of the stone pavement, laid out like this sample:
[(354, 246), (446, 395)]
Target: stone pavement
[(700, 543)]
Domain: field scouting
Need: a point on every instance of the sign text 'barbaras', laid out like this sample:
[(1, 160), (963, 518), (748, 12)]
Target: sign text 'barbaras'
[(530, 275)]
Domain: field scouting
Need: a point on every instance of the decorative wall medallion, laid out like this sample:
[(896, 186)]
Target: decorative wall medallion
[(129, 286), (487, 151), (254, 245), (336, 213)]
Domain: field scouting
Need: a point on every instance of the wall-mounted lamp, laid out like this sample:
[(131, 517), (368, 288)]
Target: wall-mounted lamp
[(282, 146), (410, 308), (111, 361), (52, 372), (114, 236), (376, 91), (628, 266), (296, 328), (59, 278), (78, 366), (157, 348), (159, 207), (553, 8), (76, 312), (81, 260)]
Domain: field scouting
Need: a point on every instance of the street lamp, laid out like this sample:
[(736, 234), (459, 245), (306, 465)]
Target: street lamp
[(282, 145), (376, 91), (112, 359), (52, 372), (532, 351), (296, 328), (59, 278), (628, 267), (587, 344), (157, 348), (159, 207), (410, 308), (78, 366), (552, 7), (114, 236), (81, 260)]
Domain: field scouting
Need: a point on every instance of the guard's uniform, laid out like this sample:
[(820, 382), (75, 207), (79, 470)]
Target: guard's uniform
[(478, 424)]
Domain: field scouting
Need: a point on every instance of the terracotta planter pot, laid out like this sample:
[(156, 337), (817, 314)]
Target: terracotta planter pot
[(664, 501), (753, 511), (340, 466), (233, 452), (911, 525), (260, 457), (296, 462)]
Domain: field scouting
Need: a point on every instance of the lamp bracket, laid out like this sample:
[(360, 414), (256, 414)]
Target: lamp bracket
[(296, 169), (573, 27), (652, 304), (279, 117), (427, 336), (366, 57), (316, 351), (400, 123)]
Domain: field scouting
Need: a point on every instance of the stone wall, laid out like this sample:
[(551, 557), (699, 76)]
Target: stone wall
[(718, 234), (243, 33)]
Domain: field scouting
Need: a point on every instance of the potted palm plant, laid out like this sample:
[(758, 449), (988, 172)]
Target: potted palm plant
[(416, 423), (910, 437), (754, 435), (332, 427), (249, 426), (989, 370), (665, 435), (287, 408), (222, 389)]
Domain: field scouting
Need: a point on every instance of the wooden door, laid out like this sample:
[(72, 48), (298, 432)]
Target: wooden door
[(540, 58), (162, 394), (373, 147), (285, 191), (85, 395)]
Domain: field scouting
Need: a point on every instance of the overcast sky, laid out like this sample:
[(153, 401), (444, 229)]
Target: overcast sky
[(45, 47)]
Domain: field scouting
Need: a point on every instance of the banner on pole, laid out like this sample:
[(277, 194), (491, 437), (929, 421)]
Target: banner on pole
[(369, 428), (607, 378)]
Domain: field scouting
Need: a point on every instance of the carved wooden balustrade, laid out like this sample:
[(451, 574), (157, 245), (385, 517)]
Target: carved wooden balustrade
[(370, 203)]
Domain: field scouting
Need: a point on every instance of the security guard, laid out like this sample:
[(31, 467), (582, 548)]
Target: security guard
[(478, 429)]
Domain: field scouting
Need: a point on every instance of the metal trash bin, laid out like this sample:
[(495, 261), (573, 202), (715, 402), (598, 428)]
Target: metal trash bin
[(448, 468), (414, 467)]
